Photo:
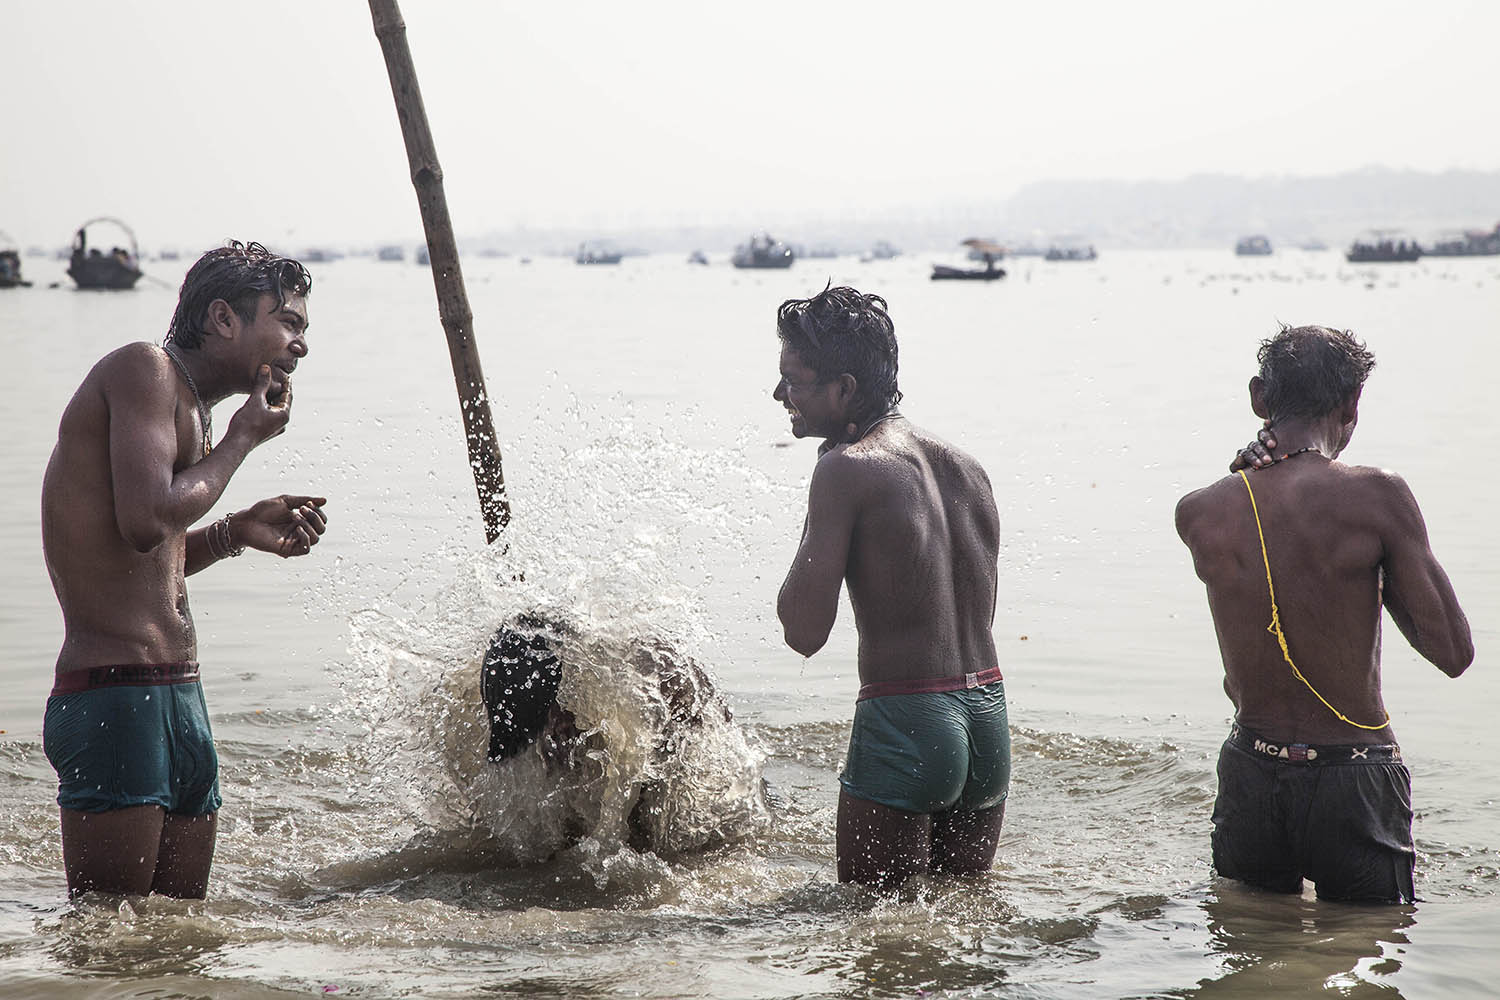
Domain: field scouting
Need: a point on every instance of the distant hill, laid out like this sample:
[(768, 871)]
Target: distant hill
[(1205, 210), (1213, 210)]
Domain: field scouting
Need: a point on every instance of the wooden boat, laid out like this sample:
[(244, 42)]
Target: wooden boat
[(593, 254), (988, 250), (762, 251), (1471, 243), (1253, 246), (10, 264), (1072, 253), (1383, 252), (89, 268), (941, 272)]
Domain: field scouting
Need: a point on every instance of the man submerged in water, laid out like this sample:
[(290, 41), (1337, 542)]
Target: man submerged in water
[(126, 726), (1311, 780), (910, 523)]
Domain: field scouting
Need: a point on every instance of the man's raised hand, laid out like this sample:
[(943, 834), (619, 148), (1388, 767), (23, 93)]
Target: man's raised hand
[(1256, 454)]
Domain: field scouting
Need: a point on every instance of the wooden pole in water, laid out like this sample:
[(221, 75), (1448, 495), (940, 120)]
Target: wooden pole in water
[(442, 250)]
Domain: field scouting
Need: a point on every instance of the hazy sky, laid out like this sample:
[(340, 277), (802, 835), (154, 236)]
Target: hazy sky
[(274, 119)]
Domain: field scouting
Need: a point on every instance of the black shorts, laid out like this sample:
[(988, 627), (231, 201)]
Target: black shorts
[(1338, 815)]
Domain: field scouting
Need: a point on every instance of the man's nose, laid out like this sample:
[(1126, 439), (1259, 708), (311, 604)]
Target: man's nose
[(779, 393), (299, 347)]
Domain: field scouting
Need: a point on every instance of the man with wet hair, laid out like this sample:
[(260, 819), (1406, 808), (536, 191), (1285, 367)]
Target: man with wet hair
[(135, 466), (909, 523), (1311, 779)]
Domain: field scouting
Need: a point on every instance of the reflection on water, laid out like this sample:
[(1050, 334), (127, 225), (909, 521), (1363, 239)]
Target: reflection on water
[(1292, 945)]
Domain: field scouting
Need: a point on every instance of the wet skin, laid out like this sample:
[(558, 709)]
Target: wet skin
[(908, 522), (126, 480), (1343, 541)]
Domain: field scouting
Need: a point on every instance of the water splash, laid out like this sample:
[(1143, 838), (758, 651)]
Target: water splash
[(616, 561)]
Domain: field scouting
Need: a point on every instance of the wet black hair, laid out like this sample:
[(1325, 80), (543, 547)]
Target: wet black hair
[(1309, 371), (239, 273), (843, 330)]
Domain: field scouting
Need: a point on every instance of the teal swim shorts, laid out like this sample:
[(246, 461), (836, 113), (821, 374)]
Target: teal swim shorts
[(931, 752), (132, 735)]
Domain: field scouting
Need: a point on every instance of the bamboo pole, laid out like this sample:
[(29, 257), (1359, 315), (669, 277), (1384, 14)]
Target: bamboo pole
[(453, 300)]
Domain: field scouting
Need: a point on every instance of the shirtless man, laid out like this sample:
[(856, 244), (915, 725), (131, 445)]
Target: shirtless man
[(909, 522), (1311, 780), (126, 726)]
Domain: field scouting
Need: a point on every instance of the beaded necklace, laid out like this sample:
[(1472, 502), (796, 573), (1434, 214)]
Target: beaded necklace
[(1294, 454)]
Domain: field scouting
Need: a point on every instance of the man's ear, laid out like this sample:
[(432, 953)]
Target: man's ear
[(1258, 398), (848, 388), (221, 320), (1349, 413)]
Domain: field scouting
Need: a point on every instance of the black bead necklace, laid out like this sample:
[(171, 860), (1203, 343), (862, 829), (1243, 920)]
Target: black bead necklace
[(1294, 454)]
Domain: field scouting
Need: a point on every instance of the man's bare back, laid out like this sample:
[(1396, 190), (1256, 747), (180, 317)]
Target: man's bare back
[(922, 547), (1341, 542)]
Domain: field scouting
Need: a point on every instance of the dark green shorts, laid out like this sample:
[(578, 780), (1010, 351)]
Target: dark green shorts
[(131, 744), (931, 752)]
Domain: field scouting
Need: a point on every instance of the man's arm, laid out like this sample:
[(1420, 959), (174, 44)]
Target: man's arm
[(809, 598), (1417, 591), (151, 502), (286, 526)]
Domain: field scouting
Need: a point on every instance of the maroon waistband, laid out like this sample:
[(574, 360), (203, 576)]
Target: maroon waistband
[(125, 675), (930, 685)]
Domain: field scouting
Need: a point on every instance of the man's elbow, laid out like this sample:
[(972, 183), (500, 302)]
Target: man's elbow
[(802, 634), (143, 534), (1459, 658), (803, 640)]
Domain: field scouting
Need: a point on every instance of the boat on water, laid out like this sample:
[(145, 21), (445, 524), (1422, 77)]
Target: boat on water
[(1253, 246), (593, 253), (1071, 253), (391, 252), (10, 264), (882, 250), (942, 272), (422, 256), (1469, 243), (987, 250), (117, 270), (697, 257), (762, 251), (1382, 248)]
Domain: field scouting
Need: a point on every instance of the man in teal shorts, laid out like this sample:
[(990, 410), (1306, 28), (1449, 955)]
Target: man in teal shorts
[(134, 468), (909, 522)]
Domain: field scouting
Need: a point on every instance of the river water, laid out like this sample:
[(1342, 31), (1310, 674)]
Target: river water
[(367, 850)]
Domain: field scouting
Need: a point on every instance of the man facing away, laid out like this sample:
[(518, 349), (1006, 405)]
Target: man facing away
[(909, 522), (1311, 780), (126, 727)]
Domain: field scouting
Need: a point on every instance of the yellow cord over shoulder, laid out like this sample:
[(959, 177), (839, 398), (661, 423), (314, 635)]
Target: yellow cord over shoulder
[(1275, 627)]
